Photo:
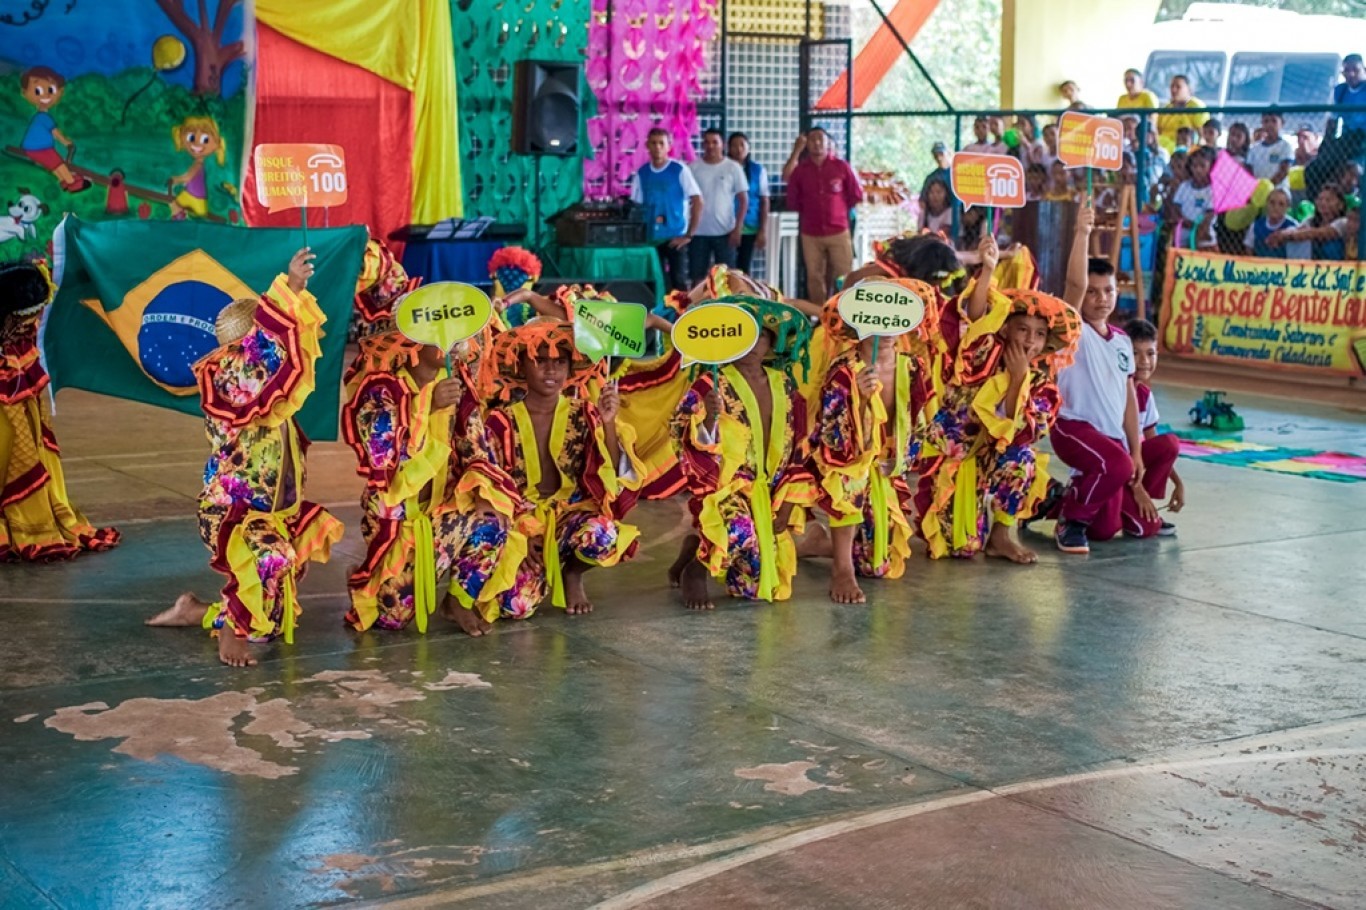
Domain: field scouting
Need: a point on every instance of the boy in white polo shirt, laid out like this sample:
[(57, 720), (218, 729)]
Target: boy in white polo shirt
[(1097, 433)]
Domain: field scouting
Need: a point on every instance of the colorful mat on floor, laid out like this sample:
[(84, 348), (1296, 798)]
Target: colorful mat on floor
[(1340, 467)]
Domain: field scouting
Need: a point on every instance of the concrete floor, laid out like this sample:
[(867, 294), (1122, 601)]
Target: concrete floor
[(1165, 724)]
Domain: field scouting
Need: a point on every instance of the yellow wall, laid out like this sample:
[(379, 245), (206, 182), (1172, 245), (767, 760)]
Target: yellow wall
[(1044, 42)]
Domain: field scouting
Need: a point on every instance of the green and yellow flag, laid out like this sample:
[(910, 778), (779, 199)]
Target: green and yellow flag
[(138, 300)]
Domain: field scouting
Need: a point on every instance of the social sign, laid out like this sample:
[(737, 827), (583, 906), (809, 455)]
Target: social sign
[(715, 333), (880, 308), (443, 314), (1087, 141), (290, 176), (605, 328), (992, 180)]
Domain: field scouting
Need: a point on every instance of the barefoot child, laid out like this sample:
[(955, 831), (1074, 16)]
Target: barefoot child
[(416, 430), (570, 461), (742, 444), (37, 521), (252, 514), (999, 401), (871, 409)]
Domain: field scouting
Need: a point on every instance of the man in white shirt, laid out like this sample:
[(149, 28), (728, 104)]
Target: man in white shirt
[(1271, 158), (725, 200), (985, 144)]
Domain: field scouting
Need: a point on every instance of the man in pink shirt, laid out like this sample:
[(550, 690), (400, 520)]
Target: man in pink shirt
[(822, 189)]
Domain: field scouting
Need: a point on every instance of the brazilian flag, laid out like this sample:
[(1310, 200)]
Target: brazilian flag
[(138, 300)]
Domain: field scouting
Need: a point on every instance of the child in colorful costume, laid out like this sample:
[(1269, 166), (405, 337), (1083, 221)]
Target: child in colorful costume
[(866, 438), (742, 441), (514, 269), (382, 281), (37, 521), (572, 467), (1000, 398), (252, 514), (416, 431)]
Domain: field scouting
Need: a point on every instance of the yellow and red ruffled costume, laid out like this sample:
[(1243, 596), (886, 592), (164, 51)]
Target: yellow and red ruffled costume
[(413, 458), (977, 445), (252, 514), (740, 476), (862, 452), (581, 518), (38, 523), (382, 281)]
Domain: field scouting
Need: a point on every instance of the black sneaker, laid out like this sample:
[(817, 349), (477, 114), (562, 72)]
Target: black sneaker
[(1167, 530), (1071, 538)]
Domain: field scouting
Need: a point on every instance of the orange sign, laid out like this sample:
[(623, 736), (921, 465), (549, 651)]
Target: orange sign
[(290, 176), (995, 180), (1087, 141)]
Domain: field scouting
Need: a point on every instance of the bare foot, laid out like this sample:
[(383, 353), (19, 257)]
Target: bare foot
[(687, 552), (693, 583), (469, 621), (815, 543), (576, 600), (188, 610), (844, 588), (1003, 545), (234, 651)]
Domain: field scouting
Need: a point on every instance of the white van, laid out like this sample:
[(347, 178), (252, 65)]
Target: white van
[(1236, 55)]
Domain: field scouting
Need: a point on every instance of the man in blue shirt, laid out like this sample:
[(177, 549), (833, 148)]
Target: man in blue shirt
[(673, 204)]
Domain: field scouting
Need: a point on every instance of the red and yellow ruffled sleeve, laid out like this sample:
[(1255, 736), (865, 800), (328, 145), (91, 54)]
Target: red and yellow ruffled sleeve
[(21, 371)]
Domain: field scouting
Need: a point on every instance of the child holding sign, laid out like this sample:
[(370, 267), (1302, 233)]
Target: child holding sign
[(1000, 399), (871, 409), (741, 437), (252, 514), (416, 430), (570, 462)]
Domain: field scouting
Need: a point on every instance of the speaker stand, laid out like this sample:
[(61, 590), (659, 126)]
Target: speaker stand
[(538, 247)]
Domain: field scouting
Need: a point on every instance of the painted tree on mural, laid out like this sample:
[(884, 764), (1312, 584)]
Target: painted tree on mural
[(211, 55)]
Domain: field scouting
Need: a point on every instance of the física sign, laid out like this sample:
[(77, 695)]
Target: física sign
[(443, 314)]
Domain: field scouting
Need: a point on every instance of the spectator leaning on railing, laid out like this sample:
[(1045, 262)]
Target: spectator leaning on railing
[(1184, 110)]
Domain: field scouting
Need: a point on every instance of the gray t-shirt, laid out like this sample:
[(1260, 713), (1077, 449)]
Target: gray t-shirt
[(720, 183)]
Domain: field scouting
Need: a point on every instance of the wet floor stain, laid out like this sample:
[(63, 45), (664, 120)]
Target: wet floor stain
[(218, 731), (789, 778)]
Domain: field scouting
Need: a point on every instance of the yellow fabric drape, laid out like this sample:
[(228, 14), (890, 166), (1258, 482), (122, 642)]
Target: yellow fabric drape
[(409, 43)]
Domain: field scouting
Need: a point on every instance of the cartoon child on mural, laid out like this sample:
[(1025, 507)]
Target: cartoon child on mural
[(199, 136), (43, 88)]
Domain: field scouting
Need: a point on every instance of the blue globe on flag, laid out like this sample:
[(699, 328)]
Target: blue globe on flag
[(177, 330)]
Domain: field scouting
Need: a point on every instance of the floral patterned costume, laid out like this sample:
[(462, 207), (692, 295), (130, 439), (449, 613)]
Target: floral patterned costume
[(860, 451), (978, 445), (412, 458), (252, 516), (382, 282), (739, 479), (37, 520)]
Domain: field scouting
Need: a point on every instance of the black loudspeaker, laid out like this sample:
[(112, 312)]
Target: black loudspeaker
[(545, 108)]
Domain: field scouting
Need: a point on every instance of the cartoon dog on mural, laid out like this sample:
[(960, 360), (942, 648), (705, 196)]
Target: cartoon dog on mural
[(23, 215)]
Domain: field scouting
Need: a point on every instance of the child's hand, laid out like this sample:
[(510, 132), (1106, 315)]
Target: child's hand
[(1146, 510), (712, 403), (1017, 362), (867, 382), (1086, 219), (609, 403), (301, 269), (658, 323), (1137, 476), (1178, 499), (989, 252), (446, 393), (1275, 239)]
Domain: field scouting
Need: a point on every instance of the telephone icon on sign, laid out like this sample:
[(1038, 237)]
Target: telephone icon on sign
[(1002, 181), (324, 159)]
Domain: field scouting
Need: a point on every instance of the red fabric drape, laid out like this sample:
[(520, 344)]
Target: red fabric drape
[(303, 95)]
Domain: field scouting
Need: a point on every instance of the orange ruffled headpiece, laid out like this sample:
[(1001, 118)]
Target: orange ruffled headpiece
[(501, 369), (918, 341), (1064, 323)]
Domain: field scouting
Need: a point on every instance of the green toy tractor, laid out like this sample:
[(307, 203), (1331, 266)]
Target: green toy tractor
[(1214, 412)]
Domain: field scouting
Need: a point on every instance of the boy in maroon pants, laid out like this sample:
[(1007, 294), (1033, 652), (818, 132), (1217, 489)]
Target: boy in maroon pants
[(1097, 432)]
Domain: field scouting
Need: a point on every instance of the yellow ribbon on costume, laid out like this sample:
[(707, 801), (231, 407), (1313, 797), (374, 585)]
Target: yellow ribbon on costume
[(550, 552), (760, 499), (965, 496), (424, 563), (546, 509), (880, 492)]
